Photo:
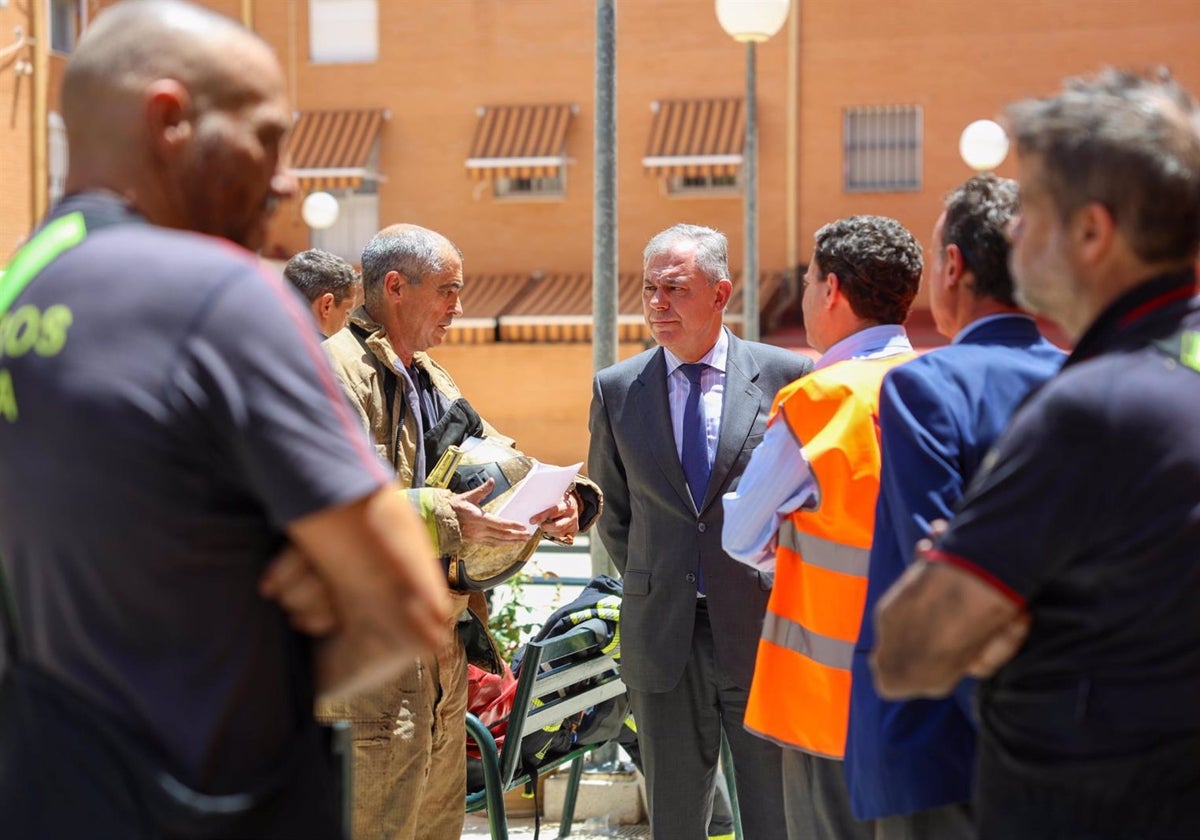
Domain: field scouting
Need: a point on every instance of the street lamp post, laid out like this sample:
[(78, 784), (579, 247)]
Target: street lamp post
[(604, 221), (751, 22)]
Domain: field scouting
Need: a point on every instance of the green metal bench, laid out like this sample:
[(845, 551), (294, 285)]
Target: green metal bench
[(560, 677)]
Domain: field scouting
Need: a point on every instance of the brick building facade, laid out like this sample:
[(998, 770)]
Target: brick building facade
[(475, 117), (435, 72)]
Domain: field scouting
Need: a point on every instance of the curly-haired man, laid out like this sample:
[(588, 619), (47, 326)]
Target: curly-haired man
[(806, 509)]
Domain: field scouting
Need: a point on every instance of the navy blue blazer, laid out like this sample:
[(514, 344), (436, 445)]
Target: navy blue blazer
[(939, 415)]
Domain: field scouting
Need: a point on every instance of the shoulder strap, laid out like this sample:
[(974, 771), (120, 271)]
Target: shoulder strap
[(1183, 346), (51, 241)]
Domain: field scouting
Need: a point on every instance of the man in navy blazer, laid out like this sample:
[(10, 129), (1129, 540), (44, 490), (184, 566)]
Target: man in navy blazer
[(909, 764), (691, 616)]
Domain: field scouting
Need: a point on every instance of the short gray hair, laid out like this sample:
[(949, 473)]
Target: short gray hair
[(413, 251), (712, 248), (1129, 141), (315, 272)]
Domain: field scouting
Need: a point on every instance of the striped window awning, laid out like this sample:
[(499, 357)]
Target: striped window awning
[(520, 141), (484, 299), (336, 149), (696, 137), (558, 307)]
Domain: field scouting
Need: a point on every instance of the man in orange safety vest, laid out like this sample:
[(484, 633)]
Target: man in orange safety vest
[(806, 509)]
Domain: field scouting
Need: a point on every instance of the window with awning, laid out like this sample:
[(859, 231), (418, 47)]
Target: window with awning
[(696, 144), (521, 149), (337, 149)]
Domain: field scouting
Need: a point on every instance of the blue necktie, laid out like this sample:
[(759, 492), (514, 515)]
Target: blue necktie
[(695, 447), (695, 438)]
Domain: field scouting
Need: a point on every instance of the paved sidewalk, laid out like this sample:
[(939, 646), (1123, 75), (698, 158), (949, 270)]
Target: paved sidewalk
[(476, 828)]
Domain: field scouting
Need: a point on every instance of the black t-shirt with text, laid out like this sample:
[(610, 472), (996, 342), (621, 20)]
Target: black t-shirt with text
[(156, 457)]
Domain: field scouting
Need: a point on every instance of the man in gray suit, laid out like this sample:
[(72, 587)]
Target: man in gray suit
[(671, 430)]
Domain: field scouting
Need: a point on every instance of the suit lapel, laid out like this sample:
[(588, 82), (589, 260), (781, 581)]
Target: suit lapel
[(739, 408), (653, 410)]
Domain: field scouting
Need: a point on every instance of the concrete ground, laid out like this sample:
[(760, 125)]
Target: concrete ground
[(521, 828)]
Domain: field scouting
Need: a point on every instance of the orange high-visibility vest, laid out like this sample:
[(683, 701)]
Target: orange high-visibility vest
[(800, 696)]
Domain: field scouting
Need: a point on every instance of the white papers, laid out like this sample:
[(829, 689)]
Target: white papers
[(542, 487)]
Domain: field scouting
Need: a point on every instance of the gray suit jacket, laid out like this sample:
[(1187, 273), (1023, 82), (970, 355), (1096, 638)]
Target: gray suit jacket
[(650, 525)]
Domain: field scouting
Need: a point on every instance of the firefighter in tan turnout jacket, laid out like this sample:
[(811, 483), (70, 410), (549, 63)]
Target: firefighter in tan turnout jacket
[(410, 737)]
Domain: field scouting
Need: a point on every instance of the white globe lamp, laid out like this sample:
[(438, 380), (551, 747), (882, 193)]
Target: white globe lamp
[(983, 145), (752, 20), (319, 210)]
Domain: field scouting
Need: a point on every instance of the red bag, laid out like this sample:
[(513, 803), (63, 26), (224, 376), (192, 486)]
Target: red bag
[(490, 698)]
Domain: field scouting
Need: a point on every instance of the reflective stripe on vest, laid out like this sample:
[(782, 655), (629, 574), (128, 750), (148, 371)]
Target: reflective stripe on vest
[(824, 650), (800, 696), (824, 553)]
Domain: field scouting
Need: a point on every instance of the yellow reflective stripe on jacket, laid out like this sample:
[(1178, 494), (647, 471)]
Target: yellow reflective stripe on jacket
[(1189, 350), (424, 499), (554, 727), (607, 608), (613, 648), (800, 695)]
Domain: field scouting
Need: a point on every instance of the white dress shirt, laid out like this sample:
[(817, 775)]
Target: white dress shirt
[(778, 479), (712, 394)]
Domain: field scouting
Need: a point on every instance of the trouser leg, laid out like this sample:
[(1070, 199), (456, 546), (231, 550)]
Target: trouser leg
[(679, 735), (817, 800), (424, 793), (410, 768), (950, 822), (391, 757), (757, 768), (444, 798), (720, 824)]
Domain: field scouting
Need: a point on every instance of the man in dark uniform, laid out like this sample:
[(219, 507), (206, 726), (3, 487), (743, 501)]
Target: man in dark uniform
[(169, 420), (1071, 573)]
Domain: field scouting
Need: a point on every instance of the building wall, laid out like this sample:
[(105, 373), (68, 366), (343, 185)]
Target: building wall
[(16, 91), (666, 49), (23, 186), (440, 61), (960, 62)]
